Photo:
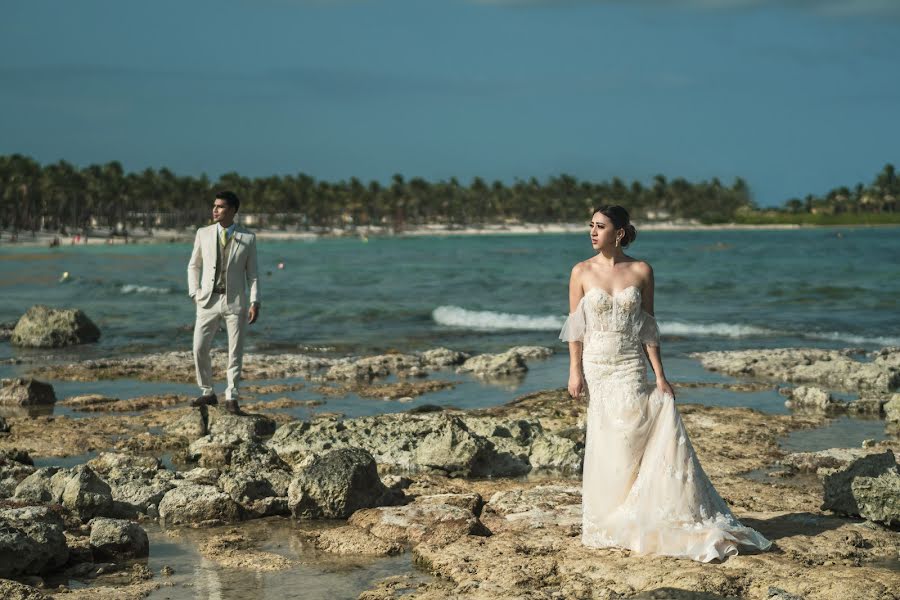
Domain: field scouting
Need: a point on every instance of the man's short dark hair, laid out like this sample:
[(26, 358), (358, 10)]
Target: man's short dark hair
[(229, 197)]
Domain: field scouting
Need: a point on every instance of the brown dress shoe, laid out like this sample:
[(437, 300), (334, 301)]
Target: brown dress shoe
[(205, 400), (232, 407)]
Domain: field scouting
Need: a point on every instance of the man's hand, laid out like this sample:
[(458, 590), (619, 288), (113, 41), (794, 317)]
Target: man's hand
[(253, 313)]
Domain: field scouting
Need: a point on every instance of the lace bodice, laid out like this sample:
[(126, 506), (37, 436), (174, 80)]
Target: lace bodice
[(599, 312)]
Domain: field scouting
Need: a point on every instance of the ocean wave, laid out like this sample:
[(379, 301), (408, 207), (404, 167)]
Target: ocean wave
[(850, 338), (143, 289), (486, 320), (729, 330)]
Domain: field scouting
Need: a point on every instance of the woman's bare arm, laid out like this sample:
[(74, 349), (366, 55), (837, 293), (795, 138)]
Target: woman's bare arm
[(576, 293), (654, 355)]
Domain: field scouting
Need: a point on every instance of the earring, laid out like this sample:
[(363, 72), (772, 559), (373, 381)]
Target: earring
[(617, 242)]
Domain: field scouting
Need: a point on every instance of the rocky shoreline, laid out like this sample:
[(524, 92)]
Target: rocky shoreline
[(487, 501)]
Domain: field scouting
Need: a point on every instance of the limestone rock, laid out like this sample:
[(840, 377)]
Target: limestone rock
[(113, 463), (194, 504), (535, 508), (867, 406), (438, 358), (825, 460), (113, 538), (138, 496), (472, 502), (493, 366), (351, 540), (810, 398), (13, 590), (449, 446), (191, 426), (868, 487), (45, 327), (37, 487), (15, 467), (442, 442), (432, 523), (31, 541), (86, 494), (834, 369), (261, 493), (878, 497), (532, 352), (336, 484), (246, 426), (892, 409), (550, 452), (371, 367), (26, 392)]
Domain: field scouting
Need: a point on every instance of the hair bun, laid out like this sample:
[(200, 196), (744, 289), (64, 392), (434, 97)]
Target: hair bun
[(630, 235), (620, 220)]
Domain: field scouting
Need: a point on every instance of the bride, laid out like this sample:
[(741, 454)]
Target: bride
[(643, 487)]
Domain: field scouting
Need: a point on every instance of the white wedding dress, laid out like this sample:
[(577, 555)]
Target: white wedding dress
[(643, 487)]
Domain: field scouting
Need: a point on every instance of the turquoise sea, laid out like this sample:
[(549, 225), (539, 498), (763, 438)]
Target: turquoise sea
[(824, 287), (715, 289)]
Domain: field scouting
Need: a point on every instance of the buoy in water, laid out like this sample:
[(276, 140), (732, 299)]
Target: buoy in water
[(64, 277), (281, 265)]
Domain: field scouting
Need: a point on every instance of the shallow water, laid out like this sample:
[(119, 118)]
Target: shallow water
[(315, 576), (841, 431)]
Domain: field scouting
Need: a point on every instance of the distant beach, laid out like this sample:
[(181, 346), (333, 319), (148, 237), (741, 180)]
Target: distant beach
[(165, 236)]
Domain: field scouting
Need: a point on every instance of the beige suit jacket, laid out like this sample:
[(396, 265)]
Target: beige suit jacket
[(242, 271)]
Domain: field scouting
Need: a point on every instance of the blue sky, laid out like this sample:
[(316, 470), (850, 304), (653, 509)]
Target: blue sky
[(796, 96)]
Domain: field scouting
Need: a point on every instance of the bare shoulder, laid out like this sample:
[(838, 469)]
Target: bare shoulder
[(643, 271), (579, 269), (642, 268)]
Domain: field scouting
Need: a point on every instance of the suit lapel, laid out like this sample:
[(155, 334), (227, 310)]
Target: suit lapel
[(233, 247)]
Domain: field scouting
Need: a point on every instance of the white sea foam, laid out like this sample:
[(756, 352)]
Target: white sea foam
[(487, 320), (850, 338), (143, 289), (730, 330)]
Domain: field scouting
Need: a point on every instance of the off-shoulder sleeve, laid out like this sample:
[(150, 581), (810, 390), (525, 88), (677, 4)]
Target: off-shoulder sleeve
[(648, 331), (573, 328)]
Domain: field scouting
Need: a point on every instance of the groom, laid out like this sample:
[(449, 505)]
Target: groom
[(222, 267)]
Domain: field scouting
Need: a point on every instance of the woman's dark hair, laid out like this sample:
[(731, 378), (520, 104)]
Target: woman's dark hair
[(229, 197), (620, 220)]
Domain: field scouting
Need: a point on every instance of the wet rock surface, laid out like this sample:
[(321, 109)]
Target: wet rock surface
[(450, 442), (112, 538), (336, 484), (196, 504), (512, 534), (98, 403), (24, 391), (834, 369), (45, 327), (178, 366)]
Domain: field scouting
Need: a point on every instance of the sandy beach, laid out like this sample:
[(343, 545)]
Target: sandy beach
[(171, 236)]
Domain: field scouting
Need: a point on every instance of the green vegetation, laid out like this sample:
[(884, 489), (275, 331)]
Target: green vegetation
[(60, 196), (775, 217)]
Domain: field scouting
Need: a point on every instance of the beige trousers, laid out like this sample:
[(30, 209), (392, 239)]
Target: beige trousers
[(205, 328)]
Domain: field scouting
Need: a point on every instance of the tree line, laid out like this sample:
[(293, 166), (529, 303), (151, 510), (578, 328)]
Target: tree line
[(60, 197)]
